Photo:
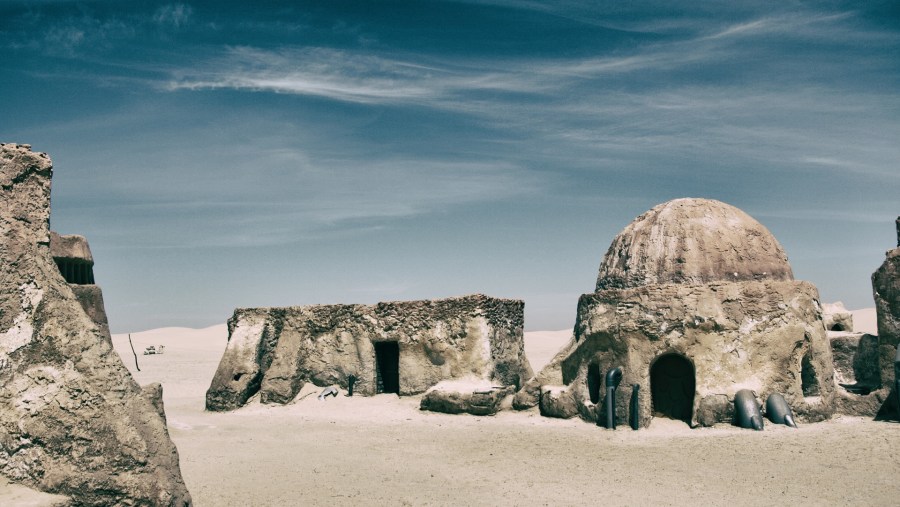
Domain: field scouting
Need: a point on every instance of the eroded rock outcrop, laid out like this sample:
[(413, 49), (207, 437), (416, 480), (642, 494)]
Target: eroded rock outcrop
[(886, 289), (72, 255), (695, 301), (857, 374), (465, 396), (855, 359), (72, 419), (400, 347)]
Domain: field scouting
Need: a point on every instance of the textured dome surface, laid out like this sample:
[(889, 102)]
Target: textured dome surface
[(692, 241)]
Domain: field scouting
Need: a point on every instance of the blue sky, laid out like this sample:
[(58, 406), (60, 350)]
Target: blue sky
[(219, 155)]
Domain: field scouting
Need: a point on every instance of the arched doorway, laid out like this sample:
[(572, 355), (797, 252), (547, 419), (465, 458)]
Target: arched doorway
[(672, 386)]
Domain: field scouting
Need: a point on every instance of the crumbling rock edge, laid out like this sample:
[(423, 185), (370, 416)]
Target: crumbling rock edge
[(72, 419)]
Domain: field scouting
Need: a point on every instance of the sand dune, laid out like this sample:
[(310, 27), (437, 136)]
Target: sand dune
[(865, 321), (383, 450), (541, 346)]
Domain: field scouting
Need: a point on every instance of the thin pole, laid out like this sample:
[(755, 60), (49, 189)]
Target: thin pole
[(133, 352)]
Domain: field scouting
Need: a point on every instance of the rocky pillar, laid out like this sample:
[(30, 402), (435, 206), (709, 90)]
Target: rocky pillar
[(886, 289), (72, 419)]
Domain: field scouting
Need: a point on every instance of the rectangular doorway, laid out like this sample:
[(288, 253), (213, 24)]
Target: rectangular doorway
[(387, 367)]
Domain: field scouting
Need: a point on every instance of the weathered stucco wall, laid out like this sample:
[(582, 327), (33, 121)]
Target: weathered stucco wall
[(275, 351), (692, 241), (746, 335)]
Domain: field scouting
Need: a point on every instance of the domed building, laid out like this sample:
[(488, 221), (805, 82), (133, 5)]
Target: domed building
[(692, 241), (695, 301)]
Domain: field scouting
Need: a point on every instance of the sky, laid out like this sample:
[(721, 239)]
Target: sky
[(241, 154)]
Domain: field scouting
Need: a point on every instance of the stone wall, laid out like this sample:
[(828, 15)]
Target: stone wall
[(275, 351), (72, 419)]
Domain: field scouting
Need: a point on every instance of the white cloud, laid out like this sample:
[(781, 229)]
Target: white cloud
[(176, 15), (880, 214), (344, 76), (364, 77), (748, 28), (253, 197)]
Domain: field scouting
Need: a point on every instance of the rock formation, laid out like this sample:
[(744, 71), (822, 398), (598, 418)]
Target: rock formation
[(886, 289), (857, 374), (858, 388), (855, 359), (72, 419), (399, 347), (72, 256), (695, 301), (465, 396)]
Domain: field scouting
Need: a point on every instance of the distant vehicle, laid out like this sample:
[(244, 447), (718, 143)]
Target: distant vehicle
[(154, 350)]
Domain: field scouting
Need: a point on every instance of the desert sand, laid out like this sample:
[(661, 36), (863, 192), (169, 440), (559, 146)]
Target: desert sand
[(865, 321), (383, 450)]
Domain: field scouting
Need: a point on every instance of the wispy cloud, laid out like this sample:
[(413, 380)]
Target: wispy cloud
[(367, 77), (73, 36), (84, 32), (175, 15), (751, 27), (877, 214), (342, 75), (335, 142), (299, 199)]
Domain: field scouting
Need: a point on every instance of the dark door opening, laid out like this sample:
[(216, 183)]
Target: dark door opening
[(387, 367), (672, 387), (593, 382)]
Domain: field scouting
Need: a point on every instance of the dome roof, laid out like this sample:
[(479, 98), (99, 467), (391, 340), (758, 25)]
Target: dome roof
[(692, 241)]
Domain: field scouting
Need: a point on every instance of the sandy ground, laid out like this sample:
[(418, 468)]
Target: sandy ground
[(865, 321), (383, 450)]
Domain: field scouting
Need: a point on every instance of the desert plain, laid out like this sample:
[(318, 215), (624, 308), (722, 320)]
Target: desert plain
[(383, 450)]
